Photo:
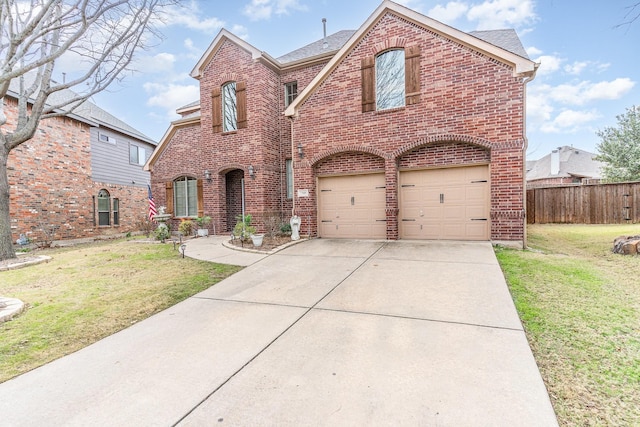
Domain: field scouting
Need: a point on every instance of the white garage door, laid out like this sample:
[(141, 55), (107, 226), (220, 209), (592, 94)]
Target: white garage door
[(352, 207), (448, 204)]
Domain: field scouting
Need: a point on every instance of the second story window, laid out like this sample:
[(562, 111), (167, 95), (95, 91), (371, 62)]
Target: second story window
[(290, 93), (390, 80), (137, 155), (229, 107)]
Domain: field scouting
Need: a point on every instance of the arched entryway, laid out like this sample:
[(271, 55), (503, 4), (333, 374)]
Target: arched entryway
[(233, 190)]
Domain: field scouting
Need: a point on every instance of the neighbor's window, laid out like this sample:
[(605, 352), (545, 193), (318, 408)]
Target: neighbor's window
[(137, 155), (289, 177), (185, 197), (116, 211), (290, 93), (104, 203), (106, 138), (229, 107), (390, 81)]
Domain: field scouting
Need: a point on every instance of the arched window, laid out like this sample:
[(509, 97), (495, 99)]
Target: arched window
[(185, 197), (229, 107), (104, 208), (390, 80)]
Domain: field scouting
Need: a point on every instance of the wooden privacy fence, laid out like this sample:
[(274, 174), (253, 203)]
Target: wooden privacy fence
[(585, 204)]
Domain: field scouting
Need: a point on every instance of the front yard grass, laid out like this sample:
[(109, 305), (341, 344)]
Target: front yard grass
[(580, 307), (88, 292)]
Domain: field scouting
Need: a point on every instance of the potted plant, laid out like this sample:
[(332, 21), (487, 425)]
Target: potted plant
[(203, 222), (243, 228)]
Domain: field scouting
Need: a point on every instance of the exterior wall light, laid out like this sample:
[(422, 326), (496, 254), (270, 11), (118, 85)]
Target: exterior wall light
[(207, 175), (300, 152), (252, 171)]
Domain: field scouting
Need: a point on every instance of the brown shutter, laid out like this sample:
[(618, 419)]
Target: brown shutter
[(169, 197), (200, 198), (412, 74), (241, 99), (368, 84), (216, 110)]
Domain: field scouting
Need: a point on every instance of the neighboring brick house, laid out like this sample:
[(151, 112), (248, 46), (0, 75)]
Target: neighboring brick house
[(564, 166), (404, 129), (80, 176)]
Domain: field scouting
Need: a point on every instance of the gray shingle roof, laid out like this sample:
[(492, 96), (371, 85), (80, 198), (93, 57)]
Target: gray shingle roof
[(90, 112), (506, 39), (334, 43), (573, 162)]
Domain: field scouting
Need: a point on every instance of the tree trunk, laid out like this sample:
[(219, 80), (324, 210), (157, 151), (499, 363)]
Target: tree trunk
[(6, 241)]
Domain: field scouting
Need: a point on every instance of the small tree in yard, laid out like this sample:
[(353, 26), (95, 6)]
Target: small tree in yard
[(620, 148), (100, 35)]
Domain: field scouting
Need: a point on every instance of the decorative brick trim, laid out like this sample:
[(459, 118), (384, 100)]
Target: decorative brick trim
[(442, 138), (345, 149), (390, 43), (229, 167), (507, 214)]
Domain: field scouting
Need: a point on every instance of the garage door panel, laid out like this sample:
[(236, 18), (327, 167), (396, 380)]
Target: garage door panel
[(355, 204), (445, 203)]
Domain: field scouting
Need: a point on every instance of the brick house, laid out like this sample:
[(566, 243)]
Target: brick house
[(403, 129), (80, 176)]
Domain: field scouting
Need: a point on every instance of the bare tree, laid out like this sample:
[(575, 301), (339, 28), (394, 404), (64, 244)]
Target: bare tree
[(632, 15), (101, 36)]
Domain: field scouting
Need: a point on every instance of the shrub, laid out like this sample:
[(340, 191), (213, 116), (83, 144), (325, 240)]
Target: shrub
[(186, 227)]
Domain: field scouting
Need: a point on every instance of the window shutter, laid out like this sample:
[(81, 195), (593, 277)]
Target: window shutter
[(241, 100), (169, 197), (412, 74), (200, 198), (368, 84), (216, 110)]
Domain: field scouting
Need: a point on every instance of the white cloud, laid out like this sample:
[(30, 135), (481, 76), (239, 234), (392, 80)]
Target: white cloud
[(549, 64), (259, 10), (412, 4), (171, 96), (240, 31), (448, 13), (495, 14), (585, 92), (189, 16), (533, 51), (569, 121), (579, 66)]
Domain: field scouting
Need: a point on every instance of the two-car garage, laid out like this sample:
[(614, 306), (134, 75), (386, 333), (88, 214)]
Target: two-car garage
[(448, 203)]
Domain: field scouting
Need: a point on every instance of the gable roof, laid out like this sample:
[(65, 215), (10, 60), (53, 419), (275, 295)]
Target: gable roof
[(507, 39), (87, 112), (222, 36), (571, 162), (334, 43), (522, 65)]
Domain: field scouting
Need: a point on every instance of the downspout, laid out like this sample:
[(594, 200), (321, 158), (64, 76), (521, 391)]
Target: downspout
[(293, 175), (525, 145)]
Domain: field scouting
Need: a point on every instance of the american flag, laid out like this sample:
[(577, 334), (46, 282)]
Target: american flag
[(152, 205)]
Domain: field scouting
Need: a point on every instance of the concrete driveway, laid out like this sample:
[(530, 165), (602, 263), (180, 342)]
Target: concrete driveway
[(326, 332)]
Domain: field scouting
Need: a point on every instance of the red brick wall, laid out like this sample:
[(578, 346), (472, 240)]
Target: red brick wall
[(51, 186), (466, 98)]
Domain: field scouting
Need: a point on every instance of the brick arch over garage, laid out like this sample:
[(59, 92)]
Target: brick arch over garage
[(346, 149), (442, 139)]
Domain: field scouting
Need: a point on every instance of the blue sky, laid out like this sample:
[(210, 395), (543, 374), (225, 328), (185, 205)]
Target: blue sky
[(588, 73)]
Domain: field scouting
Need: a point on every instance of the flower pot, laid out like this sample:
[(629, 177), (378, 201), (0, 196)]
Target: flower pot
[(257, 239), (203, 232)]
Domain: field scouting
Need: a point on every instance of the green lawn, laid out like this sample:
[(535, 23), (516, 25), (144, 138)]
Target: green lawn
[(580, 306), (88, 292)]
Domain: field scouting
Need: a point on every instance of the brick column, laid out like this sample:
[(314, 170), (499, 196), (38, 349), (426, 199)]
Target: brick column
[(391, 207)]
